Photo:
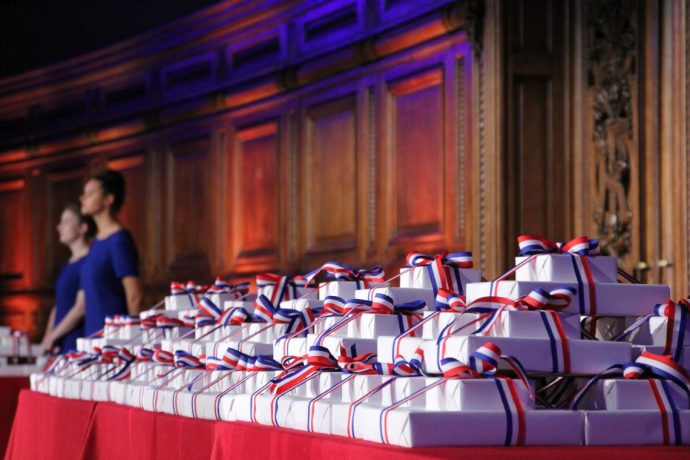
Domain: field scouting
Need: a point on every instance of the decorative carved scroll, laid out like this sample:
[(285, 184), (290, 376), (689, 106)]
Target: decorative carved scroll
[(612, 41)]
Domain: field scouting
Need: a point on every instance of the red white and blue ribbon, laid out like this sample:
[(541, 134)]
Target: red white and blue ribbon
[(265, 311), (658, 370), (545, 303), (282, 287), (443, 269), (677, 315), (579, 249), (365, 277), (187, 360), (483, 363)]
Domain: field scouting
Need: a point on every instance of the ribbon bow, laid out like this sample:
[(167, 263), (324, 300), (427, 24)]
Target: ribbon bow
[(187, 360), (584, 246), (341, 272), (265, 311), (677, 314), (443, 268)]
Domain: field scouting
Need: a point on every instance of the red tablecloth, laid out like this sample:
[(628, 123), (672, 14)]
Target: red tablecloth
[(47, 427), (9, 392)]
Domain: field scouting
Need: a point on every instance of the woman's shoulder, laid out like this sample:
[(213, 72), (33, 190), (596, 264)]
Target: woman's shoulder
[(119, 237)]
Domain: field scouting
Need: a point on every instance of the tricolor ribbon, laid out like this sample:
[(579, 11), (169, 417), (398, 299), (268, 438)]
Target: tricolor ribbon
[(677, 315), (658, 370), (483, 364), (281, 287), (579, 249), (444, 268), (491, 309), (365, 277), (265, 311)]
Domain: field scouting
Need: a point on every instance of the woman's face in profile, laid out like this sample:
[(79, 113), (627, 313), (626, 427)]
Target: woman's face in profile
[(92, 200), (68, 228)]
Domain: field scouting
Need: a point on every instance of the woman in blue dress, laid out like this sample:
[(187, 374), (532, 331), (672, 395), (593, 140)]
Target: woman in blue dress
[(109, 274), (75, 231)]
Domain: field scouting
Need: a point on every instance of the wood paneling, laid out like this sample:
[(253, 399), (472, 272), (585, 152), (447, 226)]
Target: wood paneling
[(133, 214), (330, 177), (414, 175), (13, 232), (189, 208), (64, 186), (256, 196), (535, 162)]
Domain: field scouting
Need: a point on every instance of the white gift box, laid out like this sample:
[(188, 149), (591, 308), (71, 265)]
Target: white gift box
[(410, 427), (401, 388), (400, 295), (251, 348), (387, 348), (38, 381), (247, 303), (117, 391), (473, 395), (352, 346), (684, 355), (129, 332), (626, 394), (85, 344), (292, 292), (606, 327), (587, 357), (464, 323), (310, 415), (301, 304), (182, 301), (655, 332), (293, 346), (418, 277), (632, 427), (343, 289), (559, 268), (189, 403), (219, 299), (611, 299), (371, 386), (371, 325), (530, 324)]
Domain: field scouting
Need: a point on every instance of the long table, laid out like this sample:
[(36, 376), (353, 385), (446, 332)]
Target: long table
[(10, 387), (46, 427)]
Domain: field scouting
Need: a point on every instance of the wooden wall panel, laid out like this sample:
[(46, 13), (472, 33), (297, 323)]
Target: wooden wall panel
[(249, 149), (136, 209), (64, 186), (414, 174), (189, 229), (330, 178), (13, 233), (534, 159), (256, 194)]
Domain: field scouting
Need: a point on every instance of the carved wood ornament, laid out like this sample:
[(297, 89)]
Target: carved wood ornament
[(612, 41)]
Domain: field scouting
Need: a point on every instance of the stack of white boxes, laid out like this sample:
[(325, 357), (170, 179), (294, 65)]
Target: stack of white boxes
[(403, 398), (17, 355)]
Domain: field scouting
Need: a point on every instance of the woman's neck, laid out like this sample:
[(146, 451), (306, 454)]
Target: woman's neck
[(106, 224), (79, 249)]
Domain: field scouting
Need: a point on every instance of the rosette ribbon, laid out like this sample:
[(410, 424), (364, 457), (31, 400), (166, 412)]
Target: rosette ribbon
[(265, 311)]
